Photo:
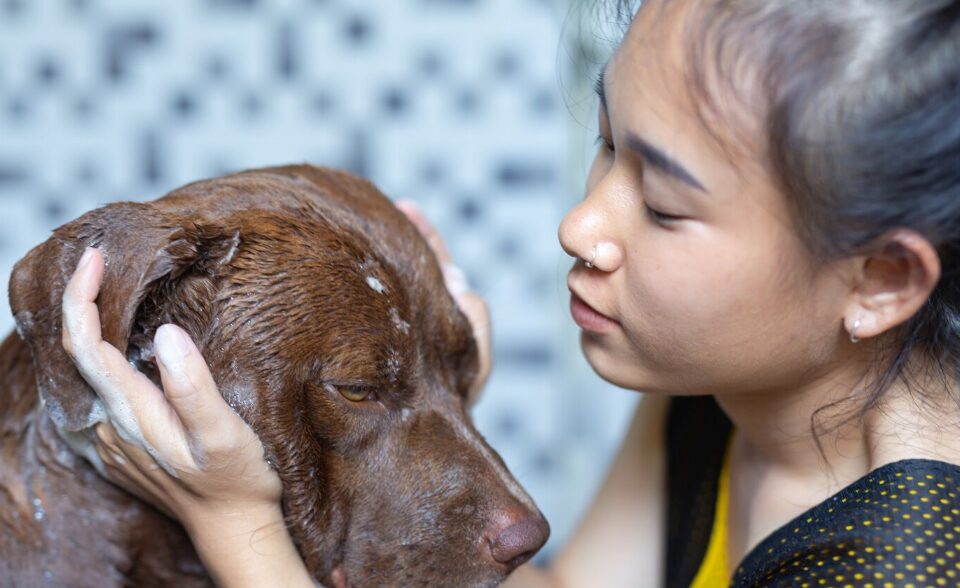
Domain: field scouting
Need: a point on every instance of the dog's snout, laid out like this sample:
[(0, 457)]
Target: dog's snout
[(516, 536)]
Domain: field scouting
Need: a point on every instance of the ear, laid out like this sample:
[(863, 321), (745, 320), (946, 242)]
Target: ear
[(143, 248), (894, 283)]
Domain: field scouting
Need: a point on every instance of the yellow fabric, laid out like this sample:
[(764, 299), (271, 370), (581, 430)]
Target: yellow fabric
[(714, 570)]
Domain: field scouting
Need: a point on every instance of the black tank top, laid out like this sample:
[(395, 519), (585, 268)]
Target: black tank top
[(897, 526)]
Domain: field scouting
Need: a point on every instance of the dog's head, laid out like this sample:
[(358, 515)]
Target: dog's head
[(325, 321)]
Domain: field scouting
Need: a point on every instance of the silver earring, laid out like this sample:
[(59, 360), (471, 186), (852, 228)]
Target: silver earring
[(853, 332), (593, 258)]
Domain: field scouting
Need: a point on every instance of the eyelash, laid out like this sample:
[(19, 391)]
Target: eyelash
[(655, 215), (661, 218), (601, 140)]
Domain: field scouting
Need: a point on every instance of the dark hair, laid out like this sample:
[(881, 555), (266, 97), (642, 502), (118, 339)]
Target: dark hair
[(862, 130)]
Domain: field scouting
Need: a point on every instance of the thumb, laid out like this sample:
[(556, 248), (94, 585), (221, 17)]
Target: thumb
[(189, 387)]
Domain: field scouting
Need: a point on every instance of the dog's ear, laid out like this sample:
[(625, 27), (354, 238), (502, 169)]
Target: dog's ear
[(146, 251)]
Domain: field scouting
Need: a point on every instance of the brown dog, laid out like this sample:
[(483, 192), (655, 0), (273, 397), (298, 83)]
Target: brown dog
[(326, 324)]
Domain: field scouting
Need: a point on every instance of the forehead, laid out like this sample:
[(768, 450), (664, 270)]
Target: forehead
[(319, 313), (336, 271), (312, 286), (664, 82)]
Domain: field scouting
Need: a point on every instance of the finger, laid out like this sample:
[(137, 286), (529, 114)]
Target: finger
[(477, 312), (426, 228), (125, 391), (133, 484), (124, 455), (128, 466), (455, 280), (81, 318), (189, 387)]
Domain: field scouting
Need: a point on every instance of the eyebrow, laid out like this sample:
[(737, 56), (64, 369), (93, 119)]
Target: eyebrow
[(654, 157)]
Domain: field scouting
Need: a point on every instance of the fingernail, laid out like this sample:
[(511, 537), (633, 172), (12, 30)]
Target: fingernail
[(456, 279), (85, 258), (171, 345)]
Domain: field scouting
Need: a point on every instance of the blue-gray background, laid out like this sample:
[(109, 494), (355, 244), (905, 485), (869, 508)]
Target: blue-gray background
[(477, 109)]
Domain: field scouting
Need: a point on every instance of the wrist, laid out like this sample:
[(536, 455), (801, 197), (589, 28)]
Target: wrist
[(246, 546), (209, 517)]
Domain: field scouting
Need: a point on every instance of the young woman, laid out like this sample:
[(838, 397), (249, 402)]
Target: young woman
[(768, 249)]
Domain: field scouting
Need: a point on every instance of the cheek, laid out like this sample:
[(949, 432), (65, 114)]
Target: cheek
[(690, 279), (715, 304)]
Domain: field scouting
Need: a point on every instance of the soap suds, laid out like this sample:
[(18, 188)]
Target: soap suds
[(240, 397), (393, 366), (234, 246), (23, 321), (376, 284), (120, 416), (398, 323)]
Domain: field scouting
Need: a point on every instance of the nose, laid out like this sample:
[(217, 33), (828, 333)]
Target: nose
[(587, 233), (516, 535), (577, 231)]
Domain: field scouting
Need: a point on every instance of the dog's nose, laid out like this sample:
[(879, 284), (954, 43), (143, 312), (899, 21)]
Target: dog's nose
[(516, 536)]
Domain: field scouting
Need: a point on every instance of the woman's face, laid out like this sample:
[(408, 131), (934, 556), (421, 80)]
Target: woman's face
[(699, 268)]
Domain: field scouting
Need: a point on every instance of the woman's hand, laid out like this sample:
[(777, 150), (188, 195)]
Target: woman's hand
[(183, 449), (470, 303)]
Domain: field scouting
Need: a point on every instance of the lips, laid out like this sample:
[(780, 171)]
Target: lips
[(589, 318)]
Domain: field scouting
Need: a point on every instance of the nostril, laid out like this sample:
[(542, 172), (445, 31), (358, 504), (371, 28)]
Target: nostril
[(519, 541)]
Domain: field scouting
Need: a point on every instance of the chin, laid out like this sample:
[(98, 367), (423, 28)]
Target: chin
[(611, 365), (624, 367)]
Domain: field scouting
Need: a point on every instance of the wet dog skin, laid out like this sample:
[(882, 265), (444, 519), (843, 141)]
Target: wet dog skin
[(326, 324)]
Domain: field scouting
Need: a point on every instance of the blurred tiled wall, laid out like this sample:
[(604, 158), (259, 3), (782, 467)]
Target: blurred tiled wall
[(455, 104)]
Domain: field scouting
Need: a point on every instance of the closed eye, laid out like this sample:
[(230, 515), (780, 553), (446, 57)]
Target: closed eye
[(661, 218)]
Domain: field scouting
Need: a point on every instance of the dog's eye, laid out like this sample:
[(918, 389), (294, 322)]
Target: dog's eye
[(355, 393)]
